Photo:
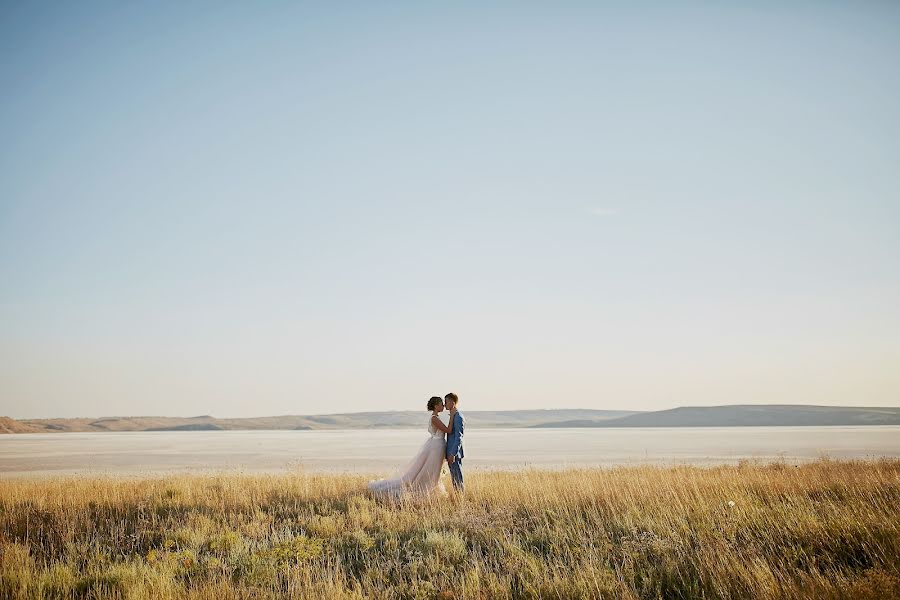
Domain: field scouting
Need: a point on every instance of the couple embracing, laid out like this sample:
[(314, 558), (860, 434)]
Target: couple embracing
[(422, 475)]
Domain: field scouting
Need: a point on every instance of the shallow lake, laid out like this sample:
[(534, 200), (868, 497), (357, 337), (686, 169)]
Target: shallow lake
[(385, 450)]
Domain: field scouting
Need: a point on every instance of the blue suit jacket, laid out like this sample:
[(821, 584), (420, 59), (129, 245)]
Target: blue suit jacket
[(455, 439)]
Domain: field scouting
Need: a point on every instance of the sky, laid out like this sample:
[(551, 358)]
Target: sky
[(247, 209)]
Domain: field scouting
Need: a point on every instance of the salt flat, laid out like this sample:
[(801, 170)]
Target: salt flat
[(383, 451)]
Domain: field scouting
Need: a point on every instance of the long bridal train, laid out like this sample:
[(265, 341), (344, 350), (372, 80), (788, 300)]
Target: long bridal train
[(422, 476)]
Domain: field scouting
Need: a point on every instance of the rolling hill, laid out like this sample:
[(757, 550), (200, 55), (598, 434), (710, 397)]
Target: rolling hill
[(363, 420), (685, 416), (747, 415)]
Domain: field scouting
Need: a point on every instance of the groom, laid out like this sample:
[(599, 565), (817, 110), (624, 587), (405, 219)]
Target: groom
[(455, 452)]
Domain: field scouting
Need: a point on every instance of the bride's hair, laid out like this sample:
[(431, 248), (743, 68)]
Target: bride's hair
[(434, 401)]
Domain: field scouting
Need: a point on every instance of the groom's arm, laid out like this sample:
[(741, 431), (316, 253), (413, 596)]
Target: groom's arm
[(454, 438), (452, 445)]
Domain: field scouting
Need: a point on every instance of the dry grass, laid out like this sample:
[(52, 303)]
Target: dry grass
[(822, 530)]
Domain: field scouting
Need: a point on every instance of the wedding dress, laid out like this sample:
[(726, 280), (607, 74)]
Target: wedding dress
[(422, 475)]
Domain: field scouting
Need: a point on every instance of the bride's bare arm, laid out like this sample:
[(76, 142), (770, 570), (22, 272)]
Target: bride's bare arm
[(440, 424)]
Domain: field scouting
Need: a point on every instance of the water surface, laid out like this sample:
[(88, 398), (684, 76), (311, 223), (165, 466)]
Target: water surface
[(385, 450)]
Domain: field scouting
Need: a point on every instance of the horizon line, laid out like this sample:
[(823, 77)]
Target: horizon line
[(362, 412)]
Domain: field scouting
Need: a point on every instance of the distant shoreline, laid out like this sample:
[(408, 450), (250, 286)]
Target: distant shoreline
[(771, 415), (483, 428)]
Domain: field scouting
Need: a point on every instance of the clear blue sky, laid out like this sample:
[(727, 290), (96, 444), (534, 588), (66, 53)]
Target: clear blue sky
[(268, 208)]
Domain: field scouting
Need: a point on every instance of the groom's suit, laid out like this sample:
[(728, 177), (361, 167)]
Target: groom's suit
[(455, 448)]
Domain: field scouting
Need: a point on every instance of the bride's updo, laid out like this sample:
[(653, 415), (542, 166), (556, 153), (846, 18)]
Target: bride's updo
[(434, 401)]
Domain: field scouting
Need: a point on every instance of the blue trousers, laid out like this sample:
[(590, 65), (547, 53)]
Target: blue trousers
[(456, 475)]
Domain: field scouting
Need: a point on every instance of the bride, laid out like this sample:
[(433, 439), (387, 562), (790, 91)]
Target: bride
[(423, 474)]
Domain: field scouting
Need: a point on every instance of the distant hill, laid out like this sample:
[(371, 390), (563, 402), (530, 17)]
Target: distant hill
[(363, 420), (8, 425), (746, 415), (686, 416)]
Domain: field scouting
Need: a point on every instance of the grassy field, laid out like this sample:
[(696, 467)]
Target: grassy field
[(822, 530)]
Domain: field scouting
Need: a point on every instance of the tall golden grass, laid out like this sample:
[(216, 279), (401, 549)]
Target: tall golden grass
[(822, 530)]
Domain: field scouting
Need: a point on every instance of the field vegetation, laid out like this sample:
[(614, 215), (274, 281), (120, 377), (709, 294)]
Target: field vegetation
[(822, 530)]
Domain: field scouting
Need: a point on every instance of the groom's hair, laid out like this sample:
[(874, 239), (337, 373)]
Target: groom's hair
[(452, 397), (433, 401)]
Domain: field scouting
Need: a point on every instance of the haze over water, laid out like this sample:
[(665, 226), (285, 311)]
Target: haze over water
[(385, 451)]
